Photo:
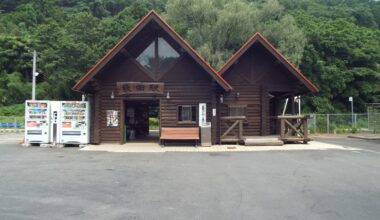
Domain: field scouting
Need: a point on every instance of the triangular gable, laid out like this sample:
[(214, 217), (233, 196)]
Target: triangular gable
[(152, 15), (257, 37)]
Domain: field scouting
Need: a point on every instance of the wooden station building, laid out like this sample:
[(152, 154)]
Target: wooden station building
[(153, 67)]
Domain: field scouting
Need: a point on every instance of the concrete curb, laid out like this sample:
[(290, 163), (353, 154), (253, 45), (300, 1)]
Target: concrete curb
[(364, 137), (314, 145), (11, 130)]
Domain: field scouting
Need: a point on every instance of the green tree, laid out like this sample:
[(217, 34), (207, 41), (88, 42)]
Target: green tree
[(343, 60), (217, 28)]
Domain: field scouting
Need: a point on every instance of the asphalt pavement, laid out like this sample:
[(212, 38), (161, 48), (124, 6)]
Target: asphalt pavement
[(367, 145), (50, 183)]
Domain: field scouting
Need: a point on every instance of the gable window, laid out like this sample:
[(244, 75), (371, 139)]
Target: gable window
[(187, 113), (236, 110), (158, 57)]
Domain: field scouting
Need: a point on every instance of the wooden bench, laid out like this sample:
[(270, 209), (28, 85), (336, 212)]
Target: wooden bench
[(179, 133)]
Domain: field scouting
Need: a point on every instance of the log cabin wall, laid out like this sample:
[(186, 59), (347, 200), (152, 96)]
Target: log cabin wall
[(255, 76), (186, 82), (259, 76), (94, 119)]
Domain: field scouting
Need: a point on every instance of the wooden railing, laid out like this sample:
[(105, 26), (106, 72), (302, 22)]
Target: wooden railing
[(232, 123), (294, 128)]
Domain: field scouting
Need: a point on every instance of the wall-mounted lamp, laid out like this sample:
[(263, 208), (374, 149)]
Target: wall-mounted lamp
[(112, 96), (167, 95), (237, 94), (221, 98)]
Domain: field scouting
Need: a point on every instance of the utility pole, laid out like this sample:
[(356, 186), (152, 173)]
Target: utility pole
[(34, 75)]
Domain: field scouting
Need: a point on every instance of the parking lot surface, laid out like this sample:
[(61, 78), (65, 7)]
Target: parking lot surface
[(50, 183)]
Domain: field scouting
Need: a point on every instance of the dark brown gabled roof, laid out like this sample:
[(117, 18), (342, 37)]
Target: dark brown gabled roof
[(152, 15), (257, 37)]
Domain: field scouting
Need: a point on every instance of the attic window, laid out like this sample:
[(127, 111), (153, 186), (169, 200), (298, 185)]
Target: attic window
[(158, 57)]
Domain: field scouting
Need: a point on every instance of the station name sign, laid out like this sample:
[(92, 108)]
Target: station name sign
[(133, 88)]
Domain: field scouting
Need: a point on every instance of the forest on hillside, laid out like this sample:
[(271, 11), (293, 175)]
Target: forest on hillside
[(336, 43)]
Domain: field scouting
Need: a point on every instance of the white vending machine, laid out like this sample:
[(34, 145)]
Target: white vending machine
[(74, 122), (37, 122)]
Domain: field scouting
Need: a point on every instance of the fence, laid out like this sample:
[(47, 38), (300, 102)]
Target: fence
[(12, 122), (373, 110), (341, 123), (318, 123)]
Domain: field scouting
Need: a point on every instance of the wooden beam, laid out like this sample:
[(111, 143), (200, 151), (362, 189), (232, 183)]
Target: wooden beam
[(294, 127), (121, 121), (230, 128), (241, 130), (233, 118)]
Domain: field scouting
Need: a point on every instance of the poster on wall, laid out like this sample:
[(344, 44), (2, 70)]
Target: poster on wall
[(112, 118)]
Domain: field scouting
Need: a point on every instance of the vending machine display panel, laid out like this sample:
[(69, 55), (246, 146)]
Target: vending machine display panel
[(74, 122), (37, 121)]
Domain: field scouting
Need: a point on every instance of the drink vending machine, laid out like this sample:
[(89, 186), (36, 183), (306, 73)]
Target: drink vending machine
[(56, 122), (37, 121), (74, 122)]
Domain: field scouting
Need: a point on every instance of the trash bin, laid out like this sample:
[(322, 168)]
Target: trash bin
[(206, 135)]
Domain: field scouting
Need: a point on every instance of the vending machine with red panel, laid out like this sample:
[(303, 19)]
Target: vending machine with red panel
[(37, 122), (74, 122)]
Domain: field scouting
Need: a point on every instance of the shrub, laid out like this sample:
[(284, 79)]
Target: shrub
[(154, 123), (12, 110)]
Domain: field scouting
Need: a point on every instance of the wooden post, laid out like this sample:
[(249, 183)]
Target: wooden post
[(305, 129), (96, 118), (282, 128), (121, 121), (214, 119), (241, 130), (264, 111), (292, 105)]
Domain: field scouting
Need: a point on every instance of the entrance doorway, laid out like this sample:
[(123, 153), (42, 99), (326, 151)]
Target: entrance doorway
[(142, 122)]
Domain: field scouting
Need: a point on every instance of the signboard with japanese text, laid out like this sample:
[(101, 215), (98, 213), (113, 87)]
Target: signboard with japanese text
[(129, 88), (202, 114)]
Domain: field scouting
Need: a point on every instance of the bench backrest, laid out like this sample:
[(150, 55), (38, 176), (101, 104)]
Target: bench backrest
[(181, 133)]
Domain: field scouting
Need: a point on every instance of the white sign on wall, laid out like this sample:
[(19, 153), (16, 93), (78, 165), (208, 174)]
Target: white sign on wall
[(202, 114)]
